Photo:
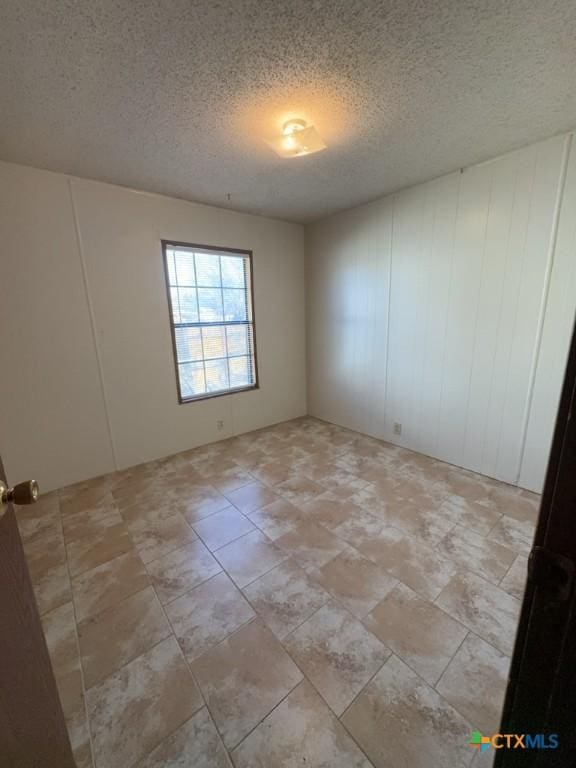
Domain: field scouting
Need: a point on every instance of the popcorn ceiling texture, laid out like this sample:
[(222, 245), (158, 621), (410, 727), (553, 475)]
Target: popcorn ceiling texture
[(176, 97)]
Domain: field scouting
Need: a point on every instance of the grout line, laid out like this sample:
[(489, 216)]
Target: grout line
[(134, 658), (423, 680), (351, 704), (304, 676), (497, 650), (195, 681), (236, 538), (261, 576), (258, 617), (191, 589), (92, 316), (452, 657)]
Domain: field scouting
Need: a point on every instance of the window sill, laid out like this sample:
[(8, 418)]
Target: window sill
[(212, 395)]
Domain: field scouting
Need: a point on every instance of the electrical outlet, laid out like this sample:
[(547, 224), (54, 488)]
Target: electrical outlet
[(397, 428), (219, 425)]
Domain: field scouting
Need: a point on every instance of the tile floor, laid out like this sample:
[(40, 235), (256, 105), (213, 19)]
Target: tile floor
[(301, 595)]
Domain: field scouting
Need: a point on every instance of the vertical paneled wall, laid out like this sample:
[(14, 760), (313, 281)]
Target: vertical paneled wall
[(426, 309), (556, 334), (88, 384), (348, 275)]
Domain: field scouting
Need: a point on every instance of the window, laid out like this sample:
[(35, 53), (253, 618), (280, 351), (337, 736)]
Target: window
[(212, 319)]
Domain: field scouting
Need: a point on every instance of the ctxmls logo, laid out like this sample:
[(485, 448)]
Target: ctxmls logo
[(513, 741)]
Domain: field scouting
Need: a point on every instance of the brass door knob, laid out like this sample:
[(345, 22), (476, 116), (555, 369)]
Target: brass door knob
[(22, 493)]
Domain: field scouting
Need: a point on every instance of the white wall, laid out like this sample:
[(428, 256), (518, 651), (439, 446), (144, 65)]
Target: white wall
[(80, 398), (447, 307), (556, 334), (426, 309), (52, 417)]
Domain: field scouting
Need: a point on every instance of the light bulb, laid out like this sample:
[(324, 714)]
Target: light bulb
[(297, 139)]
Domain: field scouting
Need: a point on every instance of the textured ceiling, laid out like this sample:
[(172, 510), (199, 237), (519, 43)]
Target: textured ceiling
[(176, 96)]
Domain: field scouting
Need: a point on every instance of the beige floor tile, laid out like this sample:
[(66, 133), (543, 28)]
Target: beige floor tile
[(416, 630), (330, 510), (45, 553), (207, 614), (355, 581), (515, 502), (250, 456), (368, 469), (141, 704), (475, 683), (356, 520), (474, 516), (420, 566), (60, 632), (155, 507), (422, 522), (249, 557), (514, 534), (343, 482), (156, 539), (88, 522), (230, 479), (98, 548), (311, 545), (250, 497), (214, 464), (277, 518), (299, 490), (79, 734), (373, 499), (34, 529), (203, 501), (285, 597), (469, 485), (301, 731), (52, 588), (223, 527), (483, 608), (360, 528), (146, 481), (119, 634), (196, 744), (132, 488), (85, 495), (108, 584), (36, 521), (484, 759), (273, 472), (420, 483), (514, 582), (337, 654), (244, 678), (471, 551), (398, 720), (318, 467), (181, 570)]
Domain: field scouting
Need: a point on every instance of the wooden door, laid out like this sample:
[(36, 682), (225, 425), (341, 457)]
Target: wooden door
[(32, 729), (541, 695)]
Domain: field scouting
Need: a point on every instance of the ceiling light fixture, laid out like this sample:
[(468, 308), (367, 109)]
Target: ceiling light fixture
[(297, 139)]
